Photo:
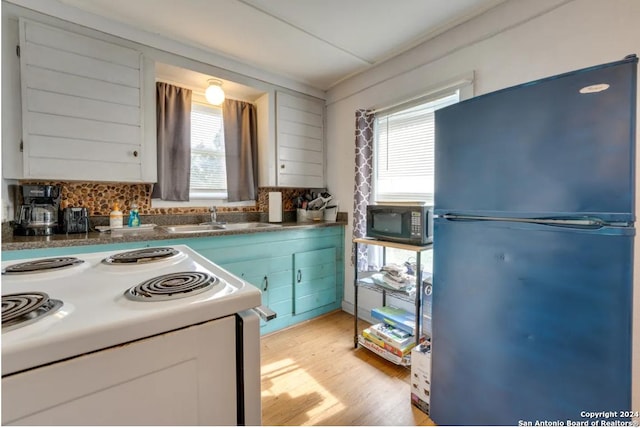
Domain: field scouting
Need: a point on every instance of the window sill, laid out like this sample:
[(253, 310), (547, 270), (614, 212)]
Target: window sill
[(158, 203)]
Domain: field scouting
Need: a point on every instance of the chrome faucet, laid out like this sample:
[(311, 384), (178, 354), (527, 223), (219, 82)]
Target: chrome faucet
[(214, 219)]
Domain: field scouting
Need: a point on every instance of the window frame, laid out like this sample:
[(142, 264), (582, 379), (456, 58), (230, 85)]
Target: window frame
[(462, 84), (413, 126), (422, 108), (201, 199)]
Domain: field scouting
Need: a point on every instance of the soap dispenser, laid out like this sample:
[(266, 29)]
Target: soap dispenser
[(134, 216), (115, 217)]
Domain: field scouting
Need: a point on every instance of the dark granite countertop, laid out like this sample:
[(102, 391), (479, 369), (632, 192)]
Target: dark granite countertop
[(12, 243)]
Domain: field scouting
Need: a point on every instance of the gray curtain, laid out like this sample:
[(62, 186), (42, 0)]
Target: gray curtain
[(241, 149), (363, 176), (174, 142)]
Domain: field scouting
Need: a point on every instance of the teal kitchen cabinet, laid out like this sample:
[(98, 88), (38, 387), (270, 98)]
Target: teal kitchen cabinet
[(315, 280), (273, 277), (268, 260), (300, 273)]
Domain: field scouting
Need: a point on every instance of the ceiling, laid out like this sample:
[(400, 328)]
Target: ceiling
[(315, 42)]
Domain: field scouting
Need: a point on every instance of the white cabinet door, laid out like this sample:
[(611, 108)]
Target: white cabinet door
[(300, 141), (185, 377), (83, 115)]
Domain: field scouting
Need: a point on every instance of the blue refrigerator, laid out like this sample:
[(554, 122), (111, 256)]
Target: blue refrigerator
[(533, 251)]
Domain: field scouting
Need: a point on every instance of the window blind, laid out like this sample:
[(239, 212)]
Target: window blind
[(208, 166), (404, 166)]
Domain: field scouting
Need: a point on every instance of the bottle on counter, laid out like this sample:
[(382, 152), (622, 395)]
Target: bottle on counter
[(134, 216), (115, 217)]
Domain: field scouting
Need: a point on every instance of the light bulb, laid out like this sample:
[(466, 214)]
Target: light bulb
[(214, 93)]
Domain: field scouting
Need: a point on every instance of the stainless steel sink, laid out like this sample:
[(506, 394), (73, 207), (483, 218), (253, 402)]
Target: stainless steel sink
[(208, 227), (249, 225), (193, 228)]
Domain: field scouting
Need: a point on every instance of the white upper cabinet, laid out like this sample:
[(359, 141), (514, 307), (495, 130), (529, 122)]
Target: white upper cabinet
[(300, 141), (83, 108), (291, 140)]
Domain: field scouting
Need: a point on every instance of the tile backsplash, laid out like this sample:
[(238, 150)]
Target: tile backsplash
[(98, 198)]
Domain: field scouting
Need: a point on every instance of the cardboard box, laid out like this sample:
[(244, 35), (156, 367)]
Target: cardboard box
[(419, 403), (427, 329), (421, 377), (427, 301)]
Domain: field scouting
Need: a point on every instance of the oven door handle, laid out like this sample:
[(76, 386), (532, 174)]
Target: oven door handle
[(265, 313)]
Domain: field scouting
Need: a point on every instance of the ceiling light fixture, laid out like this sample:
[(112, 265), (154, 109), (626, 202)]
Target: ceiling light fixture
[(214, 93)]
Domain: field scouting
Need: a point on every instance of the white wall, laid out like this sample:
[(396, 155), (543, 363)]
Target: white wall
[(538, 39)]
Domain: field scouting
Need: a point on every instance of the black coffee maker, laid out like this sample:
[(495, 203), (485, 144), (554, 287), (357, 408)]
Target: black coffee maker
[(38, 214)]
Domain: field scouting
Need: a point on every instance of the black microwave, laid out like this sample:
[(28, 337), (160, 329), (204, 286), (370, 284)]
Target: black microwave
[(409, 224)]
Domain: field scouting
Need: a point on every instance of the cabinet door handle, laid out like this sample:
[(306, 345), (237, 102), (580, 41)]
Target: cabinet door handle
[(266, 283), (299, 275), (135, 153), (282, 166)]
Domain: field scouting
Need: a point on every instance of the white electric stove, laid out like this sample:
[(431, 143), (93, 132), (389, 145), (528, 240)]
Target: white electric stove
[(151, 336)]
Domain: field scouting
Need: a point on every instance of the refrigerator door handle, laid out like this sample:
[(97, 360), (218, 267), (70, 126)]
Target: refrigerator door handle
[(590, 222)]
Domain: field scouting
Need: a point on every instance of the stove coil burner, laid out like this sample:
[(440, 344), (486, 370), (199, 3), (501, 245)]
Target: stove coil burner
[(21, 309), (172, 286), (42, 265), (145, 255)]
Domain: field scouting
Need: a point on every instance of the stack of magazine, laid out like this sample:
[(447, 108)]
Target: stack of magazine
[(394, 337)]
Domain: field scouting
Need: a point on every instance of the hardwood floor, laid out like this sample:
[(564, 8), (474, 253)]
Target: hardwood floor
[(312, 375)]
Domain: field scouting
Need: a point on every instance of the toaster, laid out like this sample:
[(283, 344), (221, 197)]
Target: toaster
[(75, 220)]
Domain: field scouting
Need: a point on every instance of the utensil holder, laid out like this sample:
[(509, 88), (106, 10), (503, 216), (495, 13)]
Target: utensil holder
[(306, 216)]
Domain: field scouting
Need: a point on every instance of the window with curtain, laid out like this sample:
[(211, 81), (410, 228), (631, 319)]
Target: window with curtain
[(404, 151), (207, 154), (208, 166)]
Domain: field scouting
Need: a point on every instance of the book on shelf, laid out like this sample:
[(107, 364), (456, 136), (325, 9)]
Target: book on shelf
[(393, 336), (369, 334), (405, 361), (396, 317)]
